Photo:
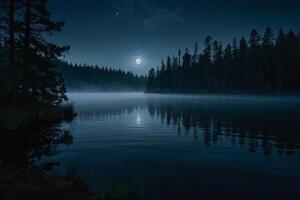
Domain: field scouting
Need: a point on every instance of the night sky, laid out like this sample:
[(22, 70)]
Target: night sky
[(114, 33)]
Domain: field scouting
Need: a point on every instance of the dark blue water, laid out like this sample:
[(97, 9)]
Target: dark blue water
[(187, 147)]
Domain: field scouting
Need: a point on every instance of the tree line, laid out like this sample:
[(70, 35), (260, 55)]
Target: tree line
[(26, 55), (267, 64), (95, 78)]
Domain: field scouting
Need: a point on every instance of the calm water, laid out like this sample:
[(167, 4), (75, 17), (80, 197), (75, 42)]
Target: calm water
[(187, 147)]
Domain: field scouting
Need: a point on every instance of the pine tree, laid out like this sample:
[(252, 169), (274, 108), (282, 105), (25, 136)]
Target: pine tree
[(290, 76), (227, 70), (195, 55), (207, 61), (217, 62), (179, 57), (217, 53), (254, 41), (255, 71), (268, 58), (162, 76), (243, 63), (186, 58), (157, 80), (236, 68), (151, 81), (207, 53), (235, 50), (11, 29), (174, 73), (268, 39), (186, 73), (169, 80), (8, 36), (40, 81)]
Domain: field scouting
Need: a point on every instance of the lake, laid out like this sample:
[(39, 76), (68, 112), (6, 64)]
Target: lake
[(186, 147)]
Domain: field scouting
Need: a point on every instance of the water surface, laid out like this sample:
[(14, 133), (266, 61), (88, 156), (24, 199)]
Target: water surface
[(187, 147)]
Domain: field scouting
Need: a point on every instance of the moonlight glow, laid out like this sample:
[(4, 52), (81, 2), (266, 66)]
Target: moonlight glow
[(138, 61)]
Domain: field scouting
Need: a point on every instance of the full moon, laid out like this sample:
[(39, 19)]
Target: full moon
[(138, 61)]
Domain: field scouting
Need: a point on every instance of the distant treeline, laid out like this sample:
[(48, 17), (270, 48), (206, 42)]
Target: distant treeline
[(268, 64), (94, 78)]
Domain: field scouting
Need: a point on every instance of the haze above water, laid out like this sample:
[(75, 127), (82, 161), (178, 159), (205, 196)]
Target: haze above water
[(186, 147)]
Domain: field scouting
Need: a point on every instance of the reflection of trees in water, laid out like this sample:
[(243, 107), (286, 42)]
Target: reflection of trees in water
[(267, 124), (25, 146), (22, 173), (252, 125)]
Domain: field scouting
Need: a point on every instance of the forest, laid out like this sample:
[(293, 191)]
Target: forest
[(262, 64), (94, 78)]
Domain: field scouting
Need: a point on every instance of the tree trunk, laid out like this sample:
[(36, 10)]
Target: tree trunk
[(11, 47), (26, 50)]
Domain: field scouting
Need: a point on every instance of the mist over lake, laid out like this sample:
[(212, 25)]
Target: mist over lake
[(186, 146)]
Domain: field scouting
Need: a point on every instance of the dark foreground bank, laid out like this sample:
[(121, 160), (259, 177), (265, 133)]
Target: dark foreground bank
[(29, 134)]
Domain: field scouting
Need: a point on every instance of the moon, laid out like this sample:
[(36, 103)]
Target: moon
[(138, 61)]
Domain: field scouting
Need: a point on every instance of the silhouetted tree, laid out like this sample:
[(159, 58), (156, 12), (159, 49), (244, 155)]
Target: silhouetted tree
[(151, 80), (227, 71), (8, 30), (268, 59), (179, 56), (237, 72), (25, 26), (243, 63), (186, 67), (207, 52), (289, 73), (169, 75), (266, 65), (254, 81), (216, 70), (207, 61), (40, 81), (195, 55)]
